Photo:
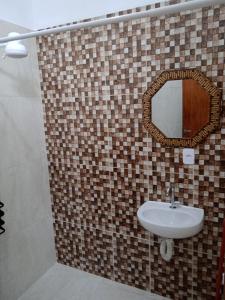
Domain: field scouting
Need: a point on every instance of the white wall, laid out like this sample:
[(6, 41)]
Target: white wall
[(36, 14), (27, 246)]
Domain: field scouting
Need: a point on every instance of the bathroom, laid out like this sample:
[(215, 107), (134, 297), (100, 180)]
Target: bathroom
[(105, 192)]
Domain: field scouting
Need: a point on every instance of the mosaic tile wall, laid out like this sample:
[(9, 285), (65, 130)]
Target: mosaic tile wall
[(102, 163)]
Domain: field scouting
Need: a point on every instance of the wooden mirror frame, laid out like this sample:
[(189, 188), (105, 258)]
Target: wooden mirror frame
[(215, 107)]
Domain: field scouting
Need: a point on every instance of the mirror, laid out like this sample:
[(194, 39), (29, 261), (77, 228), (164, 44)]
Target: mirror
[(181, 108)]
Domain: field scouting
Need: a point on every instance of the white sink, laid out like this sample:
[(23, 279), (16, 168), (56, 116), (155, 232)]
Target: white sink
[(174, 223)]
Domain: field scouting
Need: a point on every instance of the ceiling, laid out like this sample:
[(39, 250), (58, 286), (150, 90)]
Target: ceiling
[(36, 14)]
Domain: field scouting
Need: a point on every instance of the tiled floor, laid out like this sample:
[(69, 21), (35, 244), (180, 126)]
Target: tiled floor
[(65, 283)]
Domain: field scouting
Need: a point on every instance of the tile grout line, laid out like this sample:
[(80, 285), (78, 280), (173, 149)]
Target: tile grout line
[(150, 269), (110, 189)]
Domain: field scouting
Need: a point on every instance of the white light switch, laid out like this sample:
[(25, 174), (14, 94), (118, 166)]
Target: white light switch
[(188, 156)]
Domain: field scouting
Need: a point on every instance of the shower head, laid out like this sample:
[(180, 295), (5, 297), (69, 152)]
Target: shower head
[(15, 49)]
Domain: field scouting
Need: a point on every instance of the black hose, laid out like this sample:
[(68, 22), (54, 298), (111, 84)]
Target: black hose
[(2, 230)]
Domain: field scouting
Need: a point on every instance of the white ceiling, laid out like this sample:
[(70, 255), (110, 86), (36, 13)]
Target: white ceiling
[(37, 14), (17, 11)]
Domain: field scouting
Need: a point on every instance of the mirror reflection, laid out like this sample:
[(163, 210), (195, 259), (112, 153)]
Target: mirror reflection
[(180, 108)]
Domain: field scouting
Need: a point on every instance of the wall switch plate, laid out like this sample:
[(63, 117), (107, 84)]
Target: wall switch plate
[(188, 156)]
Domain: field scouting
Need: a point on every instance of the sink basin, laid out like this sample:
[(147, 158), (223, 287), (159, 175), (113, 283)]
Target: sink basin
[(181, 222)]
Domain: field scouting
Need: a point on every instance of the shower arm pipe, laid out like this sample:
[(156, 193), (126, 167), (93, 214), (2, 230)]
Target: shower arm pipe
[(165, 10)]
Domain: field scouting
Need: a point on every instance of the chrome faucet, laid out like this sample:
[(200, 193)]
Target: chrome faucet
[(173, 200)]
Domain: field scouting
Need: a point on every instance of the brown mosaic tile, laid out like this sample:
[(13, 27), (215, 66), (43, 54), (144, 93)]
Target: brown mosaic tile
[(98, 253), (88, 249), (129, 190), (171, 279), (204, 276), (209, 239), (96, 201), (68, 241), (85, 199), (131, 261)]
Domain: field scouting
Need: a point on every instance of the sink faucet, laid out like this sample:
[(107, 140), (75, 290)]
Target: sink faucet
[(171, 192)]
